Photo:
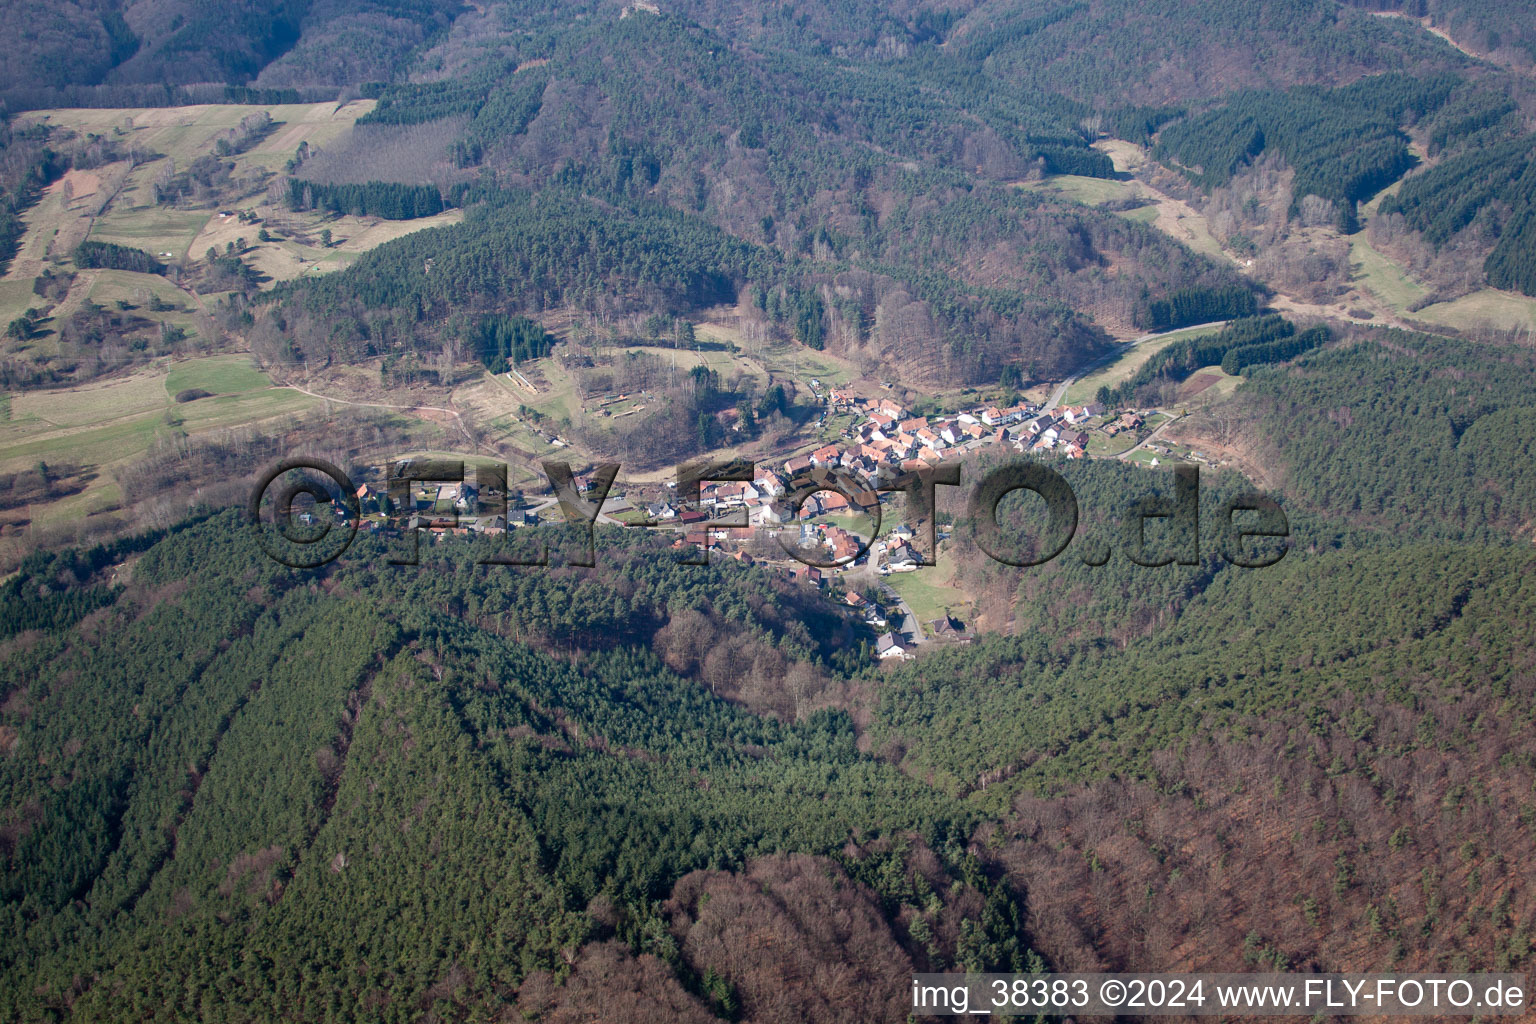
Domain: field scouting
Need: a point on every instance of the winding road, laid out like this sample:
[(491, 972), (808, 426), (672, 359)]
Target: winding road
[(1119, 351), (1114, 354)]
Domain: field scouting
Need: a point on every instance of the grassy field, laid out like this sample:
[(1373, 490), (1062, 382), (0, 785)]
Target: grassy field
[(1102, 445), (1133, 358), (1096, 192), (1091, 191), (1224, 386), (155, 229), (928, 597), (860, 524), (1488, 307), (295, 245), (185, 133), (722, 362), (110, 286), (1143, 457), (108, 422), (15, 297), (804, 365), (219, 375), (1142, 214), (1376, 273), (177, 136), (557, 397), (1383, 278)]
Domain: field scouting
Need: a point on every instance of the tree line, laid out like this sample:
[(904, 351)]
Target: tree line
[(389, 200)]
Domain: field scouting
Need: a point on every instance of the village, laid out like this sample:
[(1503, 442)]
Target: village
[(829, 541)]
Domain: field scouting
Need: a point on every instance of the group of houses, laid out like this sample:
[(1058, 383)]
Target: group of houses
[(888, 435)]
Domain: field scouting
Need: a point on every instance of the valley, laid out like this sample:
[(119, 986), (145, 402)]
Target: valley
[(421, 750)]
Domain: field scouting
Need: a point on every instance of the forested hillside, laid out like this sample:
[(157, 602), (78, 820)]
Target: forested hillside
[(474, 806), (885, 235), (1501, 32), (853, 190), (117, 50), (455, 790)]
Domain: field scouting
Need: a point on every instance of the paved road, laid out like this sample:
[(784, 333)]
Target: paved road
[(1116, 353), (910, 627), (602, 517), (1150, 437), (865, 575)]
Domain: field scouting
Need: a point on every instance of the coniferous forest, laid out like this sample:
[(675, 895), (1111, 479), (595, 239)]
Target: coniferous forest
[(1252, 279)]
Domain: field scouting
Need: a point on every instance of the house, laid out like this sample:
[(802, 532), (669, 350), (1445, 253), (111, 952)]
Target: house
[(827, 456), (833, 502), (369, 499), (661, 510), (767, 514), (733, 493), (798, 464), (490, 524), (913, 425), (887, 646), (890, 408), (862, 465), (845, 547), (902, 558), (995, 417), (808, 573), (691, 517), (1131, 421), (945, 628), (1093, 409), (769, 484)]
